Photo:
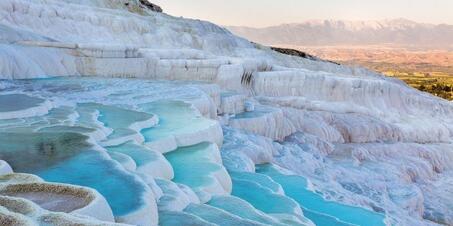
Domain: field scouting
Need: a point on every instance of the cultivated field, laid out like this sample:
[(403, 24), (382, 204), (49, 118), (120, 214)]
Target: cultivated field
[(427, 70)]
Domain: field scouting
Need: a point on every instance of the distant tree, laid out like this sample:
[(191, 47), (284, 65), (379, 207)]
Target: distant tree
[(437, 88), (422, 87)]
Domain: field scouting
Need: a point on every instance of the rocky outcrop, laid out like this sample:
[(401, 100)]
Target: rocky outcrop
[(293, 52), (151, 6)]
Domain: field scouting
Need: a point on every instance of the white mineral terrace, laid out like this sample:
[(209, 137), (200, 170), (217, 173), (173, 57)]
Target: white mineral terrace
[(113, 114)]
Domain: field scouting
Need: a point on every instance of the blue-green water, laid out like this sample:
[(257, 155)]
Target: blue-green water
[(67, 158), (263, 198), (315, 205), (192, 165), (67, 129), (174, 117), (122, 190), (139, 154), (16, 102), (116, 118), (241, 208), (258, 112), (262, 180)]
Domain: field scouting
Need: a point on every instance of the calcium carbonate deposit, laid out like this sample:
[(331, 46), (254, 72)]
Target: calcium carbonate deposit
[(114, 114)]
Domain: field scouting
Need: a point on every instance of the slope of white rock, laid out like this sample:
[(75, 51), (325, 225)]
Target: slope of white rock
[(237, 126), (18, 191)]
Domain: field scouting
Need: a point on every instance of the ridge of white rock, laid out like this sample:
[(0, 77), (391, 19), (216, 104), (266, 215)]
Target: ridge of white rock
[(20, 211), (175, 120), (55, 197)]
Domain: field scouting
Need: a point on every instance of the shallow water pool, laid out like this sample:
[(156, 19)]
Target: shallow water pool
[(17, 102), (65, 157), (321, 211)]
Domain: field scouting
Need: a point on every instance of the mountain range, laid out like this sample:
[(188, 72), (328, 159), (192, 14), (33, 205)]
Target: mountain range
[(399, 32)]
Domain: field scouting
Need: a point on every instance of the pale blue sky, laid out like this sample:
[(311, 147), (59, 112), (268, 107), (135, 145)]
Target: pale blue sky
[(259, 13)]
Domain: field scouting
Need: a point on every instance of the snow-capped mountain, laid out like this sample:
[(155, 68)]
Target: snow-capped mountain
[(113, 113), (340, 32)]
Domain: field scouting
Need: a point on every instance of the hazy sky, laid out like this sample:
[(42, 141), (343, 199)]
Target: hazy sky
[(259, 13)]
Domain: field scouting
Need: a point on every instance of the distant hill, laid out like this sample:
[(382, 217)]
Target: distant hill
[(400, 32)]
